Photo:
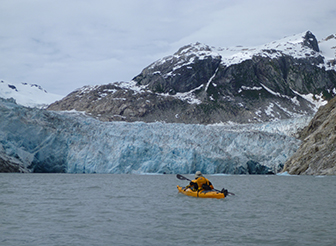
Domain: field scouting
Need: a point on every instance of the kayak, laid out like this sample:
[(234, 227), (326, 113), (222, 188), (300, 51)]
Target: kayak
[(202, 193)]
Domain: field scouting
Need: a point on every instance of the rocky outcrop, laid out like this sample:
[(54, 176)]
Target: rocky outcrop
[(311, 42), (202, 84), (10, 164), (317, 154)]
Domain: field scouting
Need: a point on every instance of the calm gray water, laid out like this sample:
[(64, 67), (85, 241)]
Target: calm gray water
[(82, 209)]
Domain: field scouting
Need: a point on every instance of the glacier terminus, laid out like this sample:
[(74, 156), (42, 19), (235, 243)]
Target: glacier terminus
[(49, 141)]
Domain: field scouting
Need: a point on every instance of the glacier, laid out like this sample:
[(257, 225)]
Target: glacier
[(71, 142)]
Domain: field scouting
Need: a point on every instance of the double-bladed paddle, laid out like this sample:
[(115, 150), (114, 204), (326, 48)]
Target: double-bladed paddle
[(180, 177)]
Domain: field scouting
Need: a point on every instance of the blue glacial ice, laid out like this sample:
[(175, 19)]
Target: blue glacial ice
[(47, 141)]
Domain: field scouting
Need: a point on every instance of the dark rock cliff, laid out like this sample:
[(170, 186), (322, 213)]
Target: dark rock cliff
[(9, 164)]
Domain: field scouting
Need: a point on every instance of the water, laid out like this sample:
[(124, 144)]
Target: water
[(111, 209)]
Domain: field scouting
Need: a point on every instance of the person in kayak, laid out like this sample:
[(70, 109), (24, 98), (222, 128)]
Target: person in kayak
[(200, 183)]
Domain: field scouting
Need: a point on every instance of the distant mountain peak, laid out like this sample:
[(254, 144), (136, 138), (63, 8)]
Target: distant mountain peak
[(29, 95), (301, 45), (310, 41)]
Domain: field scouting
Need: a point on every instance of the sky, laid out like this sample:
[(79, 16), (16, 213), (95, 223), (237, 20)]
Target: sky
[(66, 44)]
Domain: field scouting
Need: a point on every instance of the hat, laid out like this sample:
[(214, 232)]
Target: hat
[(198, 174)]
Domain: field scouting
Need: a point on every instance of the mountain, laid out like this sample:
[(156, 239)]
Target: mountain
[(317, 155), (281, 80), (202, 84), (29, 95)]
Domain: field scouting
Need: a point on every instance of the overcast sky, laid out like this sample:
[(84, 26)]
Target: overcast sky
[(66, 44)]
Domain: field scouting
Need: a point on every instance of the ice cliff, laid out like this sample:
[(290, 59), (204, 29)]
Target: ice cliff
[(48, 141)]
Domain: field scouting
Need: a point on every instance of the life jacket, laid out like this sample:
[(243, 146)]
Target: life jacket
[(201, 183)]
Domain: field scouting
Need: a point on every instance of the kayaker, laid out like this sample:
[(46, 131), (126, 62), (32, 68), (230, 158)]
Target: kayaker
[(200, 183)]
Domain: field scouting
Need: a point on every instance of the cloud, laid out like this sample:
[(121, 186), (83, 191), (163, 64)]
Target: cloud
[(65, 44), (256, 22)]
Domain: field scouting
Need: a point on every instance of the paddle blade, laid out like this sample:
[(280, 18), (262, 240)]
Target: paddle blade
[(180, 177), (226, 192)]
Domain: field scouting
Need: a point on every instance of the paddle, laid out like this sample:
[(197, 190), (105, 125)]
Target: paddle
[(180, 177)]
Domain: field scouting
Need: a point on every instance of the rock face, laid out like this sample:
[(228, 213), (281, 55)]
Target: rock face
[(311, 42), (202, 84), (317, 154), (10, 164)]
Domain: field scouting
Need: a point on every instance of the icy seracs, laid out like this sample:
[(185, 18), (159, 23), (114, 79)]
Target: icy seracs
[(70, 142)]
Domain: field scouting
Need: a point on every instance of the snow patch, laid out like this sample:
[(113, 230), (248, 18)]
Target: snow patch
[(246, 88), (316, 100), (269, 110), (295, 101), (186, 96), (328, 50), (212, 77), (29, 95)]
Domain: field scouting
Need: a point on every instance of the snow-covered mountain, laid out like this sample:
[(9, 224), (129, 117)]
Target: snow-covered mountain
[(287, 78), (299, 46), (29, 95), (328, 49)]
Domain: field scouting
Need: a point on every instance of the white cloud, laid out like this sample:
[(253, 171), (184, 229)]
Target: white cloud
[(65, 44)]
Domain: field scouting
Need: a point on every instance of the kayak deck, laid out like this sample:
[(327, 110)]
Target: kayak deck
[(201, 194)]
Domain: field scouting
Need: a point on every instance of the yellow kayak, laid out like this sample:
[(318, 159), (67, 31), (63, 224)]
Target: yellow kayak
[(202, 193)]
